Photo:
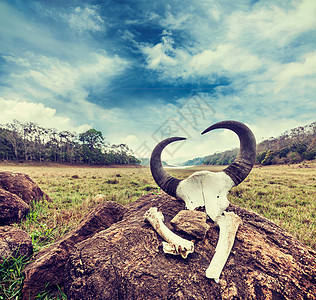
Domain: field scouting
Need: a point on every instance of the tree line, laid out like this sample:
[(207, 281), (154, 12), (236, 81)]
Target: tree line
[(293, 146), (31, 142)]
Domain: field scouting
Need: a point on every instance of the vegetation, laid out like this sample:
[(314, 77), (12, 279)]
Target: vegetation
[(291, 147), (30, 142), (11, 278), (223, 158), (284, 194)]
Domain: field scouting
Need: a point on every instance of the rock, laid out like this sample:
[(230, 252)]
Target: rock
[(23, 186), (12, 208), (14, 242), (191, 222), (126, 261), (48, 265)]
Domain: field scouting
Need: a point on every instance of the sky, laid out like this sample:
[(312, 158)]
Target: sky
[(141, 71)]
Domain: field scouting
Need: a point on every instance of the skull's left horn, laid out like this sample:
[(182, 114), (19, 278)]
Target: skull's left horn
[(168, 183), (246, 157)]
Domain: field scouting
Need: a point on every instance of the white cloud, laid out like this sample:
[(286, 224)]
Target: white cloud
[(157, 56), (296, 70), (246, 39), (36, 112), (20, 61), (226, 57), (54, 92), (85, 19), (268, 21), (175, 22), (50, 76)]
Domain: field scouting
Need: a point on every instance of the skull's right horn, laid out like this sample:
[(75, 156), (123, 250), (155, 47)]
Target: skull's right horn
[(246, 157)]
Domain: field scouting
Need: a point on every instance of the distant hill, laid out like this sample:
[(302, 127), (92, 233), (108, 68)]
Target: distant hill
[(293, 146), (194, 161)]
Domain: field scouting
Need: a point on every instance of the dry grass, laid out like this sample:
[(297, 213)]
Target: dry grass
[(284, 194)]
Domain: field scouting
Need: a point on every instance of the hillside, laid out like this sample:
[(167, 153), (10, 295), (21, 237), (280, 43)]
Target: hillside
[(293, 146)]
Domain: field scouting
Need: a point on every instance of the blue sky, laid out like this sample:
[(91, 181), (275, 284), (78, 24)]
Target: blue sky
[(140, 71)]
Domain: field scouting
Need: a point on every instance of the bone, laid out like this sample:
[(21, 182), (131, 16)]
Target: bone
[(228, 226), (175, 245)]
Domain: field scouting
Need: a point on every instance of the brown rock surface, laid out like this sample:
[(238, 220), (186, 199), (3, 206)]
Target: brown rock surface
[(48, 265), (12, 208), (191, 222), (126, 261), (14, 242), (22, 185)]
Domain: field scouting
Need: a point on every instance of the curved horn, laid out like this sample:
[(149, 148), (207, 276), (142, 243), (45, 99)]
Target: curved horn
[(168, 183), (246, 157)]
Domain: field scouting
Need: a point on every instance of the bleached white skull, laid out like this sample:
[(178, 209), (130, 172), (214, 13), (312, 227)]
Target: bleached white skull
[(209, 189)]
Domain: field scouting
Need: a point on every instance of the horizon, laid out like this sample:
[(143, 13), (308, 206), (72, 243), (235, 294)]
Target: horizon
[(142, 71)]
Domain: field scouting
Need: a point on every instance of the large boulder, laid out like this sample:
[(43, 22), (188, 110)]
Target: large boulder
[(126, 261), (23, 186), (14, 242), (12, 208), (48, 266)]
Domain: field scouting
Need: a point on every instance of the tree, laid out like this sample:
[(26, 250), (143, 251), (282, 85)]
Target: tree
[(268, 158), (92, 138), (13, 136), (6, 148), (92, 142), (29, 141)]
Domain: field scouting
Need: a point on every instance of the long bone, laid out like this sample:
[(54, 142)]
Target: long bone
[(175, 244), (228, 225), (210, 189)]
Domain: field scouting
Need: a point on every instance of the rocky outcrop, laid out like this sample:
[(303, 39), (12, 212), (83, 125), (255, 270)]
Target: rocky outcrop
[(12, 208), (23, 186), (48, 266), (14, 242), (124, 259)]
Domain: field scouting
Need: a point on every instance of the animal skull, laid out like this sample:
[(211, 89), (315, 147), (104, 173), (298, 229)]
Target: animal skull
[(210, 189), (207, 189)]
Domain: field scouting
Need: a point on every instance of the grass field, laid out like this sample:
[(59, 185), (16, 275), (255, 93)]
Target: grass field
[(284, 194)]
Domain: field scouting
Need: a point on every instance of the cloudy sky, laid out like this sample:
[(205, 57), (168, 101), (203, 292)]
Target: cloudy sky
[(140, 71)]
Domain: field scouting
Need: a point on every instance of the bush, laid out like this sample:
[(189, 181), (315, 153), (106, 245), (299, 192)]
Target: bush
[(261, 157), (284, 152), (310, 155), (268, 158), (299, 147), (295, 157)]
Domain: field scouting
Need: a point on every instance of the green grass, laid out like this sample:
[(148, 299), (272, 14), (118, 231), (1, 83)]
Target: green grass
[(52, 294), (11, 278), (284, 194)]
